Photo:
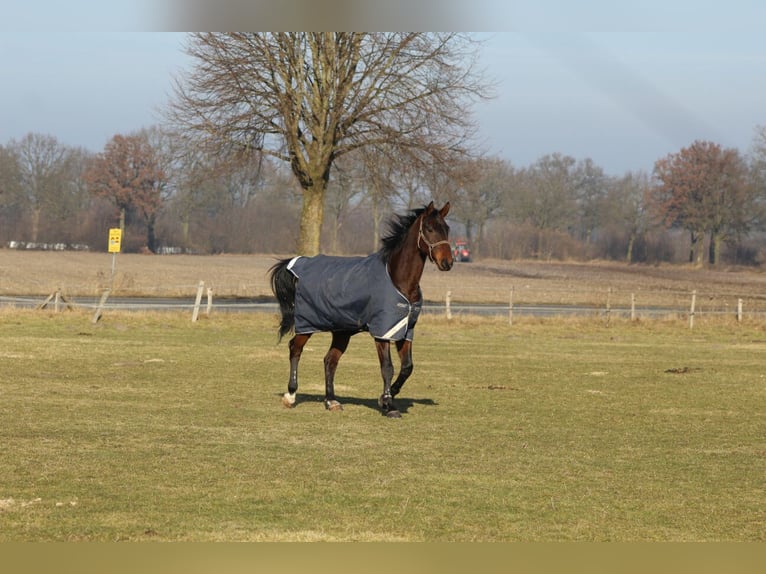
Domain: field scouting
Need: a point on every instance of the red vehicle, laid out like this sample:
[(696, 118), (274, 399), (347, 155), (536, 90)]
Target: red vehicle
[(461, 251)]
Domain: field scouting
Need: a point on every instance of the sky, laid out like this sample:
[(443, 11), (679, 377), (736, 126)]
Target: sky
[(621, 85)]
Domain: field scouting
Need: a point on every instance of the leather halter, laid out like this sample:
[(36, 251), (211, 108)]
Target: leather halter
[(430, 245)]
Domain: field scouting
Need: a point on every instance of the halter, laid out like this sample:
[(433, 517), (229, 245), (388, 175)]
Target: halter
[(430, 245)]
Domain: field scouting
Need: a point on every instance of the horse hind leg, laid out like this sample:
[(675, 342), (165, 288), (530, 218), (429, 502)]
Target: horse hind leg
[(338, 346), (296, 348)]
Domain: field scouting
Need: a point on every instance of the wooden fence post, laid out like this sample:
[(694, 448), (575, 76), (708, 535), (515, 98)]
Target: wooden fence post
[(691, 311), (608, 305), (101, 303), (44, 304), (57, 298), (510, 308), (447, 303), (739, 310), (632, 307), (197, 301), (209, 301)]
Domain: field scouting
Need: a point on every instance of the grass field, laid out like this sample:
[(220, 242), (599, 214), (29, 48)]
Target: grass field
[(149, 427)]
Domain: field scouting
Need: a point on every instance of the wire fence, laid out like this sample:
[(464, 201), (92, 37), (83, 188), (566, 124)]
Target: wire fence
[(607, 303)]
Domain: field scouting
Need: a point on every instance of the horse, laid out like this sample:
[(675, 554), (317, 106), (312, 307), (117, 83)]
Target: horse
[(379, 294)]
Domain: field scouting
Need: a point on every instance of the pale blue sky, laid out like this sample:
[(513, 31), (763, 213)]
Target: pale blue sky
[(623, 86)]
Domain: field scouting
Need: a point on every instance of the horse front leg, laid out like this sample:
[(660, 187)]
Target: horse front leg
[(296, 348), (338, 346), (404, 349), (386, 400)]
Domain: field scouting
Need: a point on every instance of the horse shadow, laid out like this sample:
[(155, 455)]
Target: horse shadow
[(403, 404)]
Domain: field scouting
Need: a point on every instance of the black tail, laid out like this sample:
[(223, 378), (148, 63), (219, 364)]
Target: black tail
[(283, 285)]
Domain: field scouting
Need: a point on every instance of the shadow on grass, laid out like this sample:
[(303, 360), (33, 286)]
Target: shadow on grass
[(403, 404)]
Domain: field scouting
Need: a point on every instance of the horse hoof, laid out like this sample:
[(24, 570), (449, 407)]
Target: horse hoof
[(394, 414), (333, 406), (288, 400)]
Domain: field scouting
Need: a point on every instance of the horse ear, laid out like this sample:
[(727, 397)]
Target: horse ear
[(444, 210), (429, 208)]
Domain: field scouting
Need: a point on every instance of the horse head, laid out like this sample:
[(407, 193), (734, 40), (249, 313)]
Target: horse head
[(433, 236)]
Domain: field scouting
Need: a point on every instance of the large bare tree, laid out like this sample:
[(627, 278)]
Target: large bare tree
[(308, 98)]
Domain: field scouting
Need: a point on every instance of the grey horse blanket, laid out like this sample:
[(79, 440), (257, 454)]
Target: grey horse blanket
[(351, 294)]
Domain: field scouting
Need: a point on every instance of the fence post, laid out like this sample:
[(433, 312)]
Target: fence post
[(447, 304), (510, 308), (632, 307), (101, 303), (608, 305), (739, 310), (197, 301), (209, 301), (691, 311)]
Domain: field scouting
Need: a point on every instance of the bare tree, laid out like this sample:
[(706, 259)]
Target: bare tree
[(625, 207), (590, 193), (10, 176), (483, 183), (343, 188), (757, 162), (379, 173), (10, 193), (545, 196), (45, 174), (308, 98)]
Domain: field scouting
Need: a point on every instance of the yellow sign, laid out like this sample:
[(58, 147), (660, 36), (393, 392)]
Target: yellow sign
[(115, 237)]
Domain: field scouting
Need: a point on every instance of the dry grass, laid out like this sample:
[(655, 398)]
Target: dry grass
[(566, 283), (149, 427), (75, 273)]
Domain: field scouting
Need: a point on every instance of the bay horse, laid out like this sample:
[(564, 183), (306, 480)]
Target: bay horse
[(379, 293)]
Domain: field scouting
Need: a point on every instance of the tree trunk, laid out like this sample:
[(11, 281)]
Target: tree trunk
[(629, 254), (35, 224), (375, 224), (714, 249), (695, 252), (151, 239), (185, 231), (478, 245), (312, 213), (691, 249)]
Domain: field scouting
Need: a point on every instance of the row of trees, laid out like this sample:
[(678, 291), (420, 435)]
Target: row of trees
[(304, 141), (557, 207)]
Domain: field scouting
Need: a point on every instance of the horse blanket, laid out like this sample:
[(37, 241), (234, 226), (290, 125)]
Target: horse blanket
[(351, 294)]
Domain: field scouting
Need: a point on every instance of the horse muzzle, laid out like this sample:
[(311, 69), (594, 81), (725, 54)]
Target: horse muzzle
[(444, 263)]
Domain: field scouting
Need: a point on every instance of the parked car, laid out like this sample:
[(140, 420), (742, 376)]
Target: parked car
[(461, 251)]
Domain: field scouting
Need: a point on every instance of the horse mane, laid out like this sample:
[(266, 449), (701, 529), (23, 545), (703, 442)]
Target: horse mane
[(398, 225)]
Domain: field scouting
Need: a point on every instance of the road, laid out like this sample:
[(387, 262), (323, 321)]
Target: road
[(253, 305)]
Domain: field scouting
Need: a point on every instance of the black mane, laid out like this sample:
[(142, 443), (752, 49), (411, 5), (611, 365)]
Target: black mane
[(398, 226)]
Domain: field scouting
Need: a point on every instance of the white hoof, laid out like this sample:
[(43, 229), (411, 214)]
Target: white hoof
[(288, 400)]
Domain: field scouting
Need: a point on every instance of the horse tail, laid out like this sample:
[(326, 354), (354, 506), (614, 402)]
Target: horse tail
[(283, 285)]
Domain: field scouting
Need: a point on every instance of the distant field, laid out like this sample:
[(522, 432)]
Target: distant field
[(148, 427), (87, 274)]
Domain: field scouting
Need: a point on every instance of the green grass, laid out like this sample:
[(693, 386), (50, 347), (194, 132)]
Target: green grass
[(149, 427)]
